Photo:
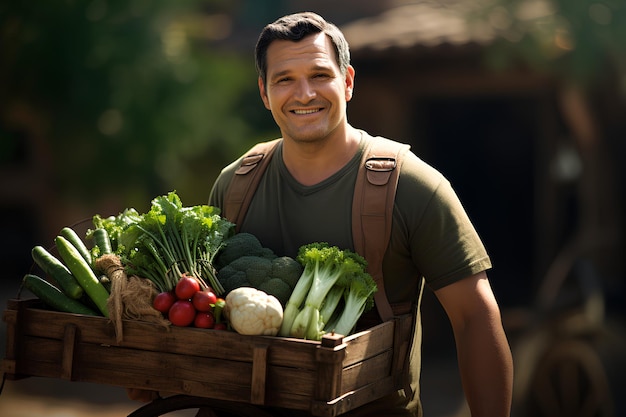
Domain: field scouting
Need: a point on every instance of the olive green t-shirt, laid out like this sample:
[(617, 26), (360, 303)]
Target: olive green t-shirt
[(432, 237)]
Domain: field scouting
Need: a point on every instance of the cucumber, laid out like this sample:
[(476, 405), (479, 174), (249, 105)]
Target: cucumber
[(72, 237), (83, 273), (102, 241), (53, 267), (54, 297)]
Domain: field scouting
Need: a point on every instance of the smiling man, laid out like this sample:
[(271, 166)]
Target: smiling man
[(306, 192), (307, 93)]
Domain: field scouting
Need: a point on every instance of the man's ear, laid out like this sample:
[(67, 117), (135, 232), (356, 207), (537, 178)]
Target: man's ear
[(349, 82), (263, 93)]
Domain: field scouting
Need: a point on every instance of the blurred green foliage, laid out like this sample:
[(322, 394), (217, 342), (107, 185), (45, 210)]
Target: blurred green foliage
[(131, 97), (581, 42)]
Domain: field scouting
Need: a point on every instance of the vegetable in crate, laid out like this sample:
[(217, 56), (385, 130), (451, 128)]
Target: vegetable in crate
[(246, 263), (54, 297), (72, 237), (169, 240), (84, 274), (189, 305), (238, 245), (58, 272), (331, 295), (253, 312)]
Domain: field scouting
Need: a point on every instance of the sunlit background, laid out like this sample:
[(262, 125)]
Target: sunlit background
[(521, 103)]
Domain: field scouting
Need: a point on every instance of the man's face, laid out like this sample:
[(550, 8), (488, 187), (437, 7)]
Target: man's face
[(305, 90)]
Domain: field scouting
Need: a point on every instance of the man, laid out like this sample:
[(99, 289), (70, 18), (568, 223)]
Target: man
[(305, 195)]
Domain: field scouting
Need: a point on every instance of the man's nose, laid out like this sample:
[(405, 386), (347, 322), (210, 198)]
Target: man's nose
[(304, 91)]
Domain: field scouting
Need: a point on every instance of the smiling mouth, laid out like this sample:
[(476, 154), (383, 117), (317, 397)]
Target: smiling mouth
[(311, 111)]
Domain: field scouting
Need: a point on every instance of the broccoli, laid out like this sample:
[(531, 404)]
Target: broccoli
[(276, 276), (238, 245), (288, 269), (232, 278), (328, 273), (278, 288)]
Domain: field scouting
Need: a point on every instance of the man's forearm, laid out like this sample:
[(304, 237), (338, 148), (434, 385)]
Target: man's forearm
[(486, 368)]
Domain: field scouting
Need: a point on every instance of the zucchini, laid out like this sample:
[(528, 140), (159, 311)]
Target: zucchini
[(54, 297), (102, 241), (72, 237), (54, 268), (83, 273)]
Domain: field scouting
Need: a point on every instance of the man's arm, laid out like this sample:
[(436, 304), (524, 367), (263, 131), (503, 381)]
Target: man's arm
[(483, 352)]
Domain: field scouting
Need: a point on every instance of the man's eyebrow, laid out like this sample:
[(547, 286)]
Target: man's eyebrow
[(314, 68), (280, 73)]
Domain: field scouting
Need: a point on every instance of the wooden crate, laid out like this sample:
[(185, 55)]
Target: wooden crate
[(327, 378)]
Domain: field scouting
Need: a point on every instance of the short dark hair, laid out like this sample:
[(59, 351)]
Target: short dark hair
[(295, 27)]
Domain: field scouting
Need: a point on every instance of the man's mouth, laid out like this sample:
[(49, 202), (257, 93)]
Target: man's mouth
[(310, 111)]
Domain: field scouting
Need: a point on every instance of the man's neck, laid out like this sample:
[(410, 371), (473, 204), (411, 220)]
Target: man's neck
[(313, 162)]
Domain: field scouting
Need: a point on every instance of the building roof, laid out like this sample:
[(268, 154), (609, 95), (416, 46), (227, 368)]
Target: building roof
[(444, 23)]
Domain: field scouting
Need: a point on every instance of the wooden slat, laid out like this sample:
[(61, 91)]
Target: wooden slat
[(369, 343), (352, 399), (148, 336)]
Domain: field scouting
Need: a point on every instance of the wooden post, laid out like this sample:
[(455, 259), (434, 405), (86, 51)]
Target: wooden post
[(259, 374), (70, 339), (329, 355)]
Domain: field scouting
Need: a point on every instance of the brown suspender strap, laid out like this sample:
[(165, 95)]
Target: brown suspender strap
[(245, 181), (372, 210)]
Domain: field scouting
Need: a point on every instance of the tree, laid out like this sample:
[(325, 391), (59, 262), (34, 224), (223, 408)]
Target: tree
[(129, 98)]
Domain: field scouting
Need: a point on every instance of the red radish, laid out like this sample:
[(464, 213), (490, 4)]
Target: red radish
[(204, 320), (163, 301), (204, 300), (186, 287), (182, 313)]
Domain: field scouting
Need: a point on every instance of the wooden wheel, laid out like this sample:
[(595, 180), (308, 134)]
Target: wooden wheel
[(570, 380), (209, 407)]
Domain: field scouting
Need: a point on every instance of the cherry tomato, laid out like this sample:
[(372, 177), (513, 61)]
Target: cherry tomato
[(204, 320), (186, 287), (163, 301), (204, 300), (182, 313)]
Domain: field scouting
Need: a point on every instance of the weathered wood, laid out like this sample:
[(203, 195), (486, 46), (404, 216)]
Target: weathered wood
[(70, 338), (326, 378), (259, 374)]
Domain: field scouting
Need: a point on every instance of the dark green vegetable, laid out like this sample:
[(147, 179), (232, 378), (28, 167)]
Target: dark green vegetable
[(102, 242), (53, 267), (238, 245), (276, 276), (54, 297), (85, 276), (72, 237)]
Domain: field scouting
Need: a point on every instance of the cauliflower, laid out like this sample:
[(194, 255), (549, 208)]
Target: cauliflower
[(253, 312)]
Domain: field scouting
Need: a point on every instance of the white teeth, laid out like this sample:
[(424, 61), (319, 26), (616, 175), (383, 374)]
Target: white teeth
[(305, 111)]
